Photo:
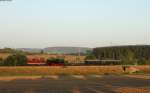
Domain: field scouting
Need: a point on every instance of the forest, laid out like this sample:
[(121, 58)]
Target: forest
[(131, 54)]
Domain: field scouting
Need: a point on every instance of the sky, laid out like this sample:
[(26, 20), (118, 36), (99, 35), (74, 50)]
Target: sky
[(84, 23)]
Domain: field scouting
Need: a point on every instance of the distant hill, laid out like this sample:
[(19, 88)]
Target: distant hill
[(57, 50), (30, 50), (66, 50)]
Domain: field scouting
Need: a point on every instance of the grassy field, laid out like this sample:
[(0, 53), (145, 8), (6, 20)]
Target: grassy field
[(59, 70), (76, 70)]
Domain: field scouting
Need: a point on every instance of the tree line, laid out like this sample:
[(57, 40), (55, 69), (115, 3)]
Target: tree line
[(15, 59), (135, 54)]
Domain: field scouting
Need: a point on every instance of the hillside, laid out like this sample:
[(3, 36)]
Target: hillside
[(30, 50), (66, 50), (57, 50)]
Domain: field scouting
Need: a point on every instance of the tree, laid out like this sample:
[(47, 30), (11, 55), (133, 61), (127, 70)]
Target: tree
[(17, 59), (129, 59), (42, 51), (147, 62), (1, 61), (140, 53), (144, 62), (89, 52), (90, 55)]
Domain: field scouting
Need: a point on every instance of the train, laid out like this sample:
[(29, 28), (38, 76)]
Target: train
[(62, 62), (42, 62)]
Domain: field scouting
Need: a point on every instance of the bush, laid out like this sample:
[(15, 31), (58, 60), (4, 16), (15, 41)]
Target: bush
[(1, 62), (17, 59), (90, 57)]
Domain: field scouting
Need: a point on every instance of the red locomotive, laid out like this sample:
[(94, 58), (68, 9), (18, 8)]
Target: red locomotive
[(36, 61)]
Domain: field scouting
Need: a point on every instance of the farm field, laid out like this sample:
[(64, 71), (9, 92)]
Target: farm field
[(75, 84), (54, 70), (69, 70)]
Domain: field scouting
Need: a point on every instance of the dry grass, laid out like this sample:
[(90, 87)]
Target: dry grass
[(84, 70), (69, 70), (4, 55), (145, 69)]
